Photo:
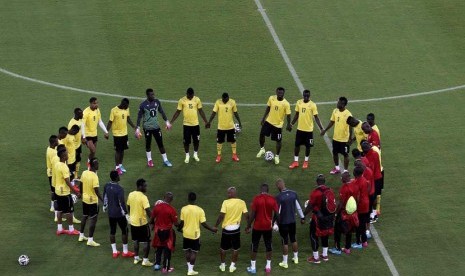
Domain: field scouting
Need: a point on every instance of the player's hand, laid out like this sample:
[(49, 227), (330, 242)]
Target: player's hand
[(104, 208), (84, 141), (322, 133), (168, 125), (106, 135), (275, 227), (302, 221), (247, 230), (215, 230), (207, 125), (289, 127)]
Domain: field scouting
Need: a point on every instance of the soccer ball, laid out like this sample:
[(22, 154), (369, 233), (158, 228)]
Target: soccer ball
[(237, 128), (269, 156), (23, 260), (75, 199)]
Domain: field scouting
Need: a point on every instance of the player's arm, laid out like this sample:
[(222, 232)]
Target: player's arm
[(220, 219), (351, 134), (102, 126), (330, 125), (289, 126), (250, 220), (318, 122), (122, 203), (208, 227), (202, 114), (140, 113), (308, 209), (83, 131), (299, 211), (267, 110), (175, 115), (163, 115), (97, 192), (236, 115), (109, 124), (148, 212), (130, 123), (211, 119), (296, 117), (68, 182)]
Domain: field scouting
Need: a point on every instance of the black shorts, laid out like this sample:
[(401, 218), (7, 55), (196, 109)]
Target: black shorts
[(287, 232), (78, 154), (382, 180), (341, 147), (270, 130), (123, 225), (89, 210), (304, 138), (231, 239), (52, 189), (65, 204), (72, 169), (189, 244), (120, 143), (230, 135), (256, 236), (156, 133), (140, 233), (378, 186), (94, 139), (191, 132)]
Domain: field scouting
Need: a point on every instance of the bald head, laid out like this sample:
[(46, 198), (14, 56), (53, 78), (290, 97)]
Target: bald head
[(280, 184)]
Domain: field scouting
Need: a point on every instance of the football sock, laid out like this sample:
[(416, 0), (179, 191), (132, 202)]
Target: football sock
[(268, 264), (78, 166), (187, 155), (145, 260), (120, 165), (60, 227), (113, 247), (296, 158), (337, 168), (190, 267), (81, 235), (56, 214), (90, 239), (325, 251), (233, 147), (252, 264), (125, 248), (195, 153), (296, 255), (219, 147), (71, 227), (149, 155), (306, 158), (378, 204), (223, 264), (315, 255), (285, 259), (233, 264), (165, 158), (51, 204)]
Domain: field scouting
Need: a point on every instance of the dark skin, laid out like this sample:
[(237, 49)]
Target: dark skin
[(69, 216), (53, 145), (261, 139), (168, 198), (306, 98), (119, 155), (353, 123), (212, 116), (143, 189), (123, 237), (371, 120), (90, 144), (345, 178), (319, 182)]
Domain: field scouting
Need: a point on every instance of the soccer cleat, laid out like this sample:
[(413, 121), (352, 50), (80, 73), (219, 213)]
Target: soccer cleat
[(267, 269), (373, 220), (295, 260), (150, 163), (75, 220), (324, 258), (82, 238), (335, 171), (62, 232), (305, 165), (192, 272), (232, 269), (92, 243), (276, 160), (73, 233), (356, 245), (119, 170), (222, 267), (313, 260), (218, 159), (147, 263), (365, 244), (261, 153), (122, 168), (284, 265), (196, 158), (294, 165), (347, 251), (251, 270), (128, 254), (235, 158), (137, 260), (156, 267), (167, 163), (335, 251), (115, 255), (167, 270), (187, 160)]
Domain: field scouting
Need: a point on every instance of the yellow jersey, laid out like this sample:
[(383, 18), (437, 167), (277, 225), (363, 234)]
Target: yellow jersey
[(225, 113), (90, 120), (55, 159), (51, 152), (77, 137), (193, 216), (359, 135), (233, 209), (61, 172), (70, 148), (306, 113), (341, 128), (189, 110), (138, 202), (375, 128), (119, 118), (89, 181), (278, 110), (375, 148)]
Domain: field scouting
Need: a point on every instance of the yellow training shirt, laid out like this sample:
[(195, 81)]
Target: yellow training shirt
[(70, 148), (77, 137), (61, 172), (55, 159), (189, 110), (193, 216), (51, 152), (306, 113), (89, 181), (278, 110), (375, 148), (225, 113), (359, 135), (90, 120), (138, 202), (341, 128), (233, 209), (119, 118)]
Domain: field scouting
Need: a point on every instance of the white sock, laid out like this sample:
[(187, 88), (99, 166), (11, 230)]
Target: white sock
[(262, 148), (325, 251), (113, 247), (51, 204), (252, 264), (187, 155), (277, 155), (268, 264), (149, 155), (315, 255), (306, 158), (195, 153), (296, 255), (296, 158), (233, 264), (60, 227), (116, 167), (81, 235), (136, 258), (125, 248), (56, 214), (90, 239), (71, 227), (145, 260), (120, 165), (337, 168), (190, 267), (165, 158), (285, 259), (224, 264)]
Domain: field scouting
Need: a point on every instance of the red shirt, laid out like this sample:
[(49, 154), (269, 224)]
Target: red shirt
[(165, 216), (373, 158), (347, 190), (368, 175), (264, 205), (373, 139), (316, 200), (365, 161), (363, 201)]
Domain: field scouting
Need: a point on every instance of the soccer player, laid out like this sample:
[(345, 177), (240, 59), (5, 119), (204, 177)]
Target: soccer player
[(63, 189), (115, 206), (119, 118), (69, 142), (289, 205), (359, 135), (50, 153), (192, 216), (225, 107), (273, 121), (305, 111), (318, 229), (165, 216), (371, 121), (190, 105), (363, 205), (148, 114), (375, 165), (232, 211), (139, 210), (342, 134), (90, 196), (77, 120), (62, 132), (53, 161), (372, 136), (91, 118), (264, 214)]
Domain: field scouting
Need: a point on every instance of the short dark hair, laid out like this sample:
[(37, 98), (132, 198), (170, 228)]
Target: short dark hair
[(225, 95), (140, 182), (281, 88), (76, 110), (320, 179), (192, 196), (62, 129), (125, 100), (61, 152), (92, 161), (148, 91), (92, 99), (264, 187), (306, 91), (190, 91), (52, 139), (371, 115), (114, 175), (358, 171), (343, 100), (356, 153), (60, 148), (75, 128)]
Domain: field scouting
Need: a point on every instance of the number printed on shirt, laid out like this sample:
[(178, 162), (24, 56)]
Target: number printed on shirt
[(191, 106), (303, 109), (153, 112)]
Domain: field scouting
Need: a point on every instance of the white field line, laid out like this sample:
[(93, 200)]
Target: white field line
[(376, 237)]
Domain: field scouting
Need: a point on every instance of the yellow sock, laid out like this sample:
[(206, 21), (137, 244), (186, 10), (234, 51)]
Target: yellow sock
[(233, 147), (219, 147), (76, 173), (378, 204)]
